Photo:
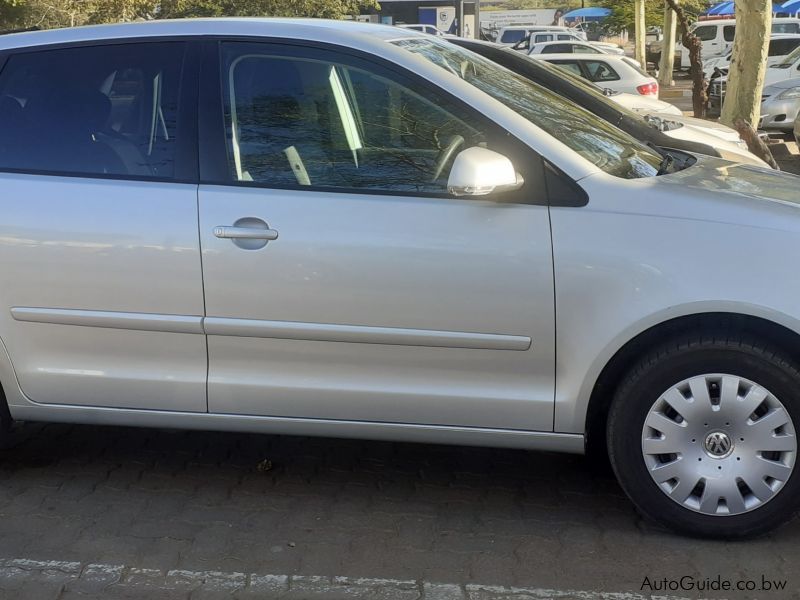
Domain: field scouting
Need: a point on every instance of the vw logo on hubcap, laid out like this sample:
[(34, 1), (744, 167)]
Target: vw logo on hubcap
[(718, 444)]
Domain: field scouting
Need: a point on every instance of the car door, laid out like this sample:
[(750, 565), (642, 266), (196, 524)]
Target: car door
[(101, 298), (342, 281)]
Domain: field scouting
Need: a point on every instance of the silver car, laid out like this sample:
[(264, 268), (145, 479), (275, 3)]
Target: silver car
[(780, 103), (342, 229)]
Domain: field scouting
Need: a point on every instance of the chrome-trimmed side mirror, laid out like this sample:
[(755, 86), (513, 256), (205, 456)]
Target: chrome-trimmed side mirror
[(479, 171)]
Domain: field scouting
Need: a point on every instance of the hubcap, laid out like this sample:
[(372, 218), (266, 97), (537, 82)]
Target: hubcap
[(719, 444)]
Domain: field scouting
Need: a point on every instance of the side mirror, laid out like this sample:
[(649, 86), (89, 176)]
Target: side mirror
[(479, 172)]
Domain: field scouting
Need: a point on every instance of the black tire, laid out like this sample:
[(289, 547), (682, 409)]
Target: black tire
[(684, 357)]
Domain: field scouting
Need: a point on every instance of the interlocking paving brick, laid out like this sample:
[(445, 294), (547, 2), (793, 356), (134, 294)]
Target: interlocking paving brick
[(147, 513)]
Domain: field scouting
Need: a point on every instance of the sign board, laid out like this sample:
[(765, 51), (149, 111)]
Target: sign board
[(495, 19)]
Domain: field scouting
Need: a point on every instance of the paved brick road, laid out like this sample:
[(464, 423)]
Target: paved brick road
[(151, 514)]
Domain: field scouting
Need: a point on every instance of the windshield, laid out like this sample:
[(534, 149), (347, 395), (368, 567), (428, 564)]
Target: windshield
[(513, 35), (599, 142), (789, 59)]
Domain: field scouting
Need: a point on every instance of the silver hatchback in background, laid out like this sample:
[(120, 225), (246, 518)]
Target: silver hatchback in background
[(331, 228), (780, 104)]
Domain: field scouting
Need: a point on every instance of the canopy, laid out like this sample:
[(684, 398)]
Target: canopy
[(592, 11), (723, 8), (790, 6)]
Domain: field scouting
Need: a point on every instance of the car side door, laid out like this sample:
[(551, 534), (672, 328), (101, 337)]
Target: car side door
[(101, 299), (367, 292)]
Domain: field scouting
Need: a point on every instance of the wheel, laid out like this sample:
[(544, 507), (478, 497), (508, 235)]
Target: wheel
[(701, 435)]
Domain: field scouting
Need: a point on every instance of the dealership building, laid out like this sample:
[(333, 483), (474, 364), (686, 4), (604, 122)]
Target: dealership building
[(460, 17)]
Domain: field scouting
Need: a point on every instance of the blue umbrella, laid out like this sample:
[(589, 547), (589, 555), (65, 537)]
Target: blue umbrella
[(723, 8), (791, 6), (590, 12)]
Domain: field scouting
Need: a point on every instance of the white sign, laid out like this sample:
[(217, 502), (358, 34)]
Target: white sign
[(504, 18)]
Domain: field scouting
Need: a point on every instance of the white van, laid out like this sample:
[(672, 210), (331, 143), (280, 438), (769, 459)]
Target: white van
[(717, 36)]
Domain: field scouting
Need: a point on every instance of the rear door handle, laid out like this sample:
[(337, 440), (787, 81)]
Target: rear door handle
[(244, 233)]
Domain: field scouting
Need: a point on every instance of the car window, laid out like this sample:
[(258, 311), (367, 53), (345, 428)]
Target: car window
[(582, 49), (543, 37), (565, 36), (788, 60), (786, 27), (728, 33), (569, 65), (557, 49), (706, 33), (597, 141), (295, 121), (781, 47), (511, 36), (600, 71), (103, 110)]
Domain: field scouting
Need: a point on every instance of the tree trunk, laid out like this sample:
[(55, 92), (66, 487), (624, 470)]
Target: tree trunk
[(754, 143), (748, 62), (639, 33), (695, 47), (667, 63)]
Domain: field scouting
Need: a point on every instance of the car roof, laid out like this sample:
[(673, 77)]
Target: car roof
[(609, 57), (304, 29), (539, 27), (551, 42)]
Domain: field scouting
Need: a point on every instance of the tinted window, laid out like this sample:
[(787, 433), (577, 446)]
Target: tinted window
[(104, 110), (781, 47), (600, 71), (569, 65), (298, 121), (706, 33), (581, 49), (786, 27), (728, 33), (557, 49), (543, 37), (511, 36)]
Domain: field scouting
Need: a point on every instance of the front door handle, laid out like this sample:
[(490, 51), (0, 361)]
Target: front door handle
[(245, 233)]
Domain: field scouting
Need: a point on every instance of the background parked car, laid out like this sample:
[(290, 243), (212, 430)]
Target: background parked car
[(422, 27), (717, 36), (780, 45), (659, 128), (539, 37), (618, 73), (797, 129), (573, 47), (513, 34), (780, 104), (786, 68)]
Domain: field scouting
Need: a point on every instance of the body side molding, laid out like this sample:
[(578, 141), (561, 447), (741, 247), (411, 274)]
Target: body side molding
[(320, 332)]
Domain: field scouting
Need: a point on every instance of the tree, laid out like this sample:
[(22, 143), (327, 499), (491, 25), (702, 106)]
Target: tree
[(694, 46), (622, 15), (666, 65), (748, 62), (66, 13)]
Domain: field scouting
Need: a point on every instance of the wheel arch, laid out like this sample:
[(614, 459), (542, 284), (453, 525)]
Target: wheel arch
[(626, 356)]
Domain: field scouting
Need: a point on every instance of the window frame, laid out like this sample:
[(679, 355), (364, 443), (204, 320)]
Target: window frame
[(186, 158), (213, 143)]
